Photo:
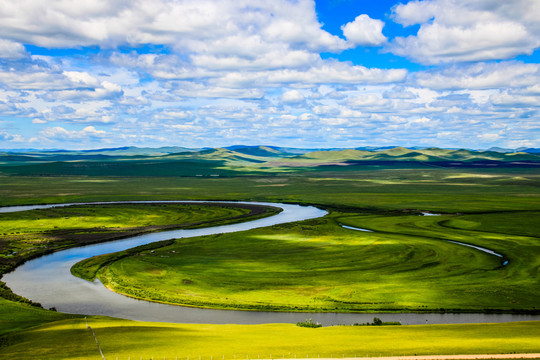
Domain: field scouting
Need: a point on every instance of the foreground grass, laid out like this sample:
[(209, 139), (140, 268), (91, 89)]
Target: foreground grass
[(70, 339), (316, 265), (15, 316)]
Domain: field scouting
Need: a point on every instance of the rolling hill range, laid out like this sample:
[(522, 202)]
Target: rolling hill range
[(244, 160)]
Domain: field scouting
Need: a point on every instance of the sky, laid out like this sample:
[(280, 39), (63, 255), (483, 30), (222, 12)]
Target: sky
[(298, 73)]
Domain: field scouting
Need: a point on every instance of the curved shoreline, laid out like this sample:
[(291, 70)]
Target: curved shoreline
[(48, 280)]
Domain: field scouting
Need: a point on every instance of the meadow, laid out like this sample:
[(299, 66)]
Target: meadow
[(490, 207), (32, 233), (122, 339), (405, 264)]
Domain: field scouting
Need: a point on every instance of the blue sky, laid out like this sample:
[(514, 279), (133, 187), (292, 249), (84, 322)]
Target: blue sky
[(299, 73)]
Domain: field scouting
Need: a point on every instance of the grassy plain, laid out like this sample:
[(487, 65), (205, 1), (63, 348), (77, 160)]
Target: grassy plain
[(376, 197), (70, 339), (369, 187)]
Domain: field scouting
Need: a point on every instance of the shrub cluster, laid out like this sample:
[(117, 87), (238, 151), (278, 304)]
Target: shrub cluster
[(308, 323)]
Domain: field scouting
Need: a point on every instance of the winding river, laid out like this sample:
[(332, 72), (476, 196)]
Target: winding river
[(48, 280)]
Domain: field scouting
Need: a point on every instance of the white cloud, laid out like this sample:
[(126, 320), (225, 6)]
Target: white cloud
[(188, 89), (489, 137), (399, 93), (292, 97), (79, 113), (468, 30), (173, 114), (514, 100), (364, 31), (481, 76), (266, 59), (326, 110), (337, 73), (368, 100), (334, 121), (12, 50), (307, 117), (229, 69), (81, 79), (58, 133), (5, 136), (183, 24)]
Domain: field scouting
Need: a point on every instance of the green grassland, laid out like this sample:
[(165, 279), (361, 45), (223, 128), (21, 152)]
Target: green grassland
[(316, 265), (495, 206), (32, 233), (70, 339), (373, 187)]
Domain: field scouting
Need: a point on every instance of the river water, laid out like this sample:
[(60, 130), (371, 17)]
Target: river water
[(48, 280)]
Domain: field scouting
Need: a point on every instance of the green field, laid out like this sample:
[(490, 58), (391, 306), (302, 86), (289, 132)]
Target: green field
[(316, 265), (32, 233), (369, 187), (70, 339), (491, 207)]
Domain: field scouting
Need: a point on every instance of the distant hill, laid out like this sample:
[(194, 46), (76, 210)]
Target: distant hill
[(403, 154), (522, 149), (246, 160), (529, 150)]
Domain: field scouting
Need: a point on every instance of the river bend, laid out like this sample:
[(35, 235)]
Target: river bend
[(48, 280)]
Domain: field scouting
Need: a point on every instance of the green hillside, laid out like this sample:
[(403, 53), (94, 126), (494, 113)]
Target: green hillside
[(242, 161)]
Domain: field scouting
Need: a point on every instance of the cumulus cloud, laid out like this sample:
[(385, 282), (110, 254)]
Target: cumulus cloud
[(292, 97), (6, 136), (514, 100), (213, 71), (364, 31), (182, 24), (105, 90), (367, 100), (399, 93), (481, 76), (173, 114), (337, 73), (469, 30), (58, 133), (76, 113), (11, 50)]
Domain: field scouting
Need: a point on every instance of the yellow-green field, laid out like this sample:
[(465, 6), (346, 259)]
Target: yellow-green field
[(70, 339)]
